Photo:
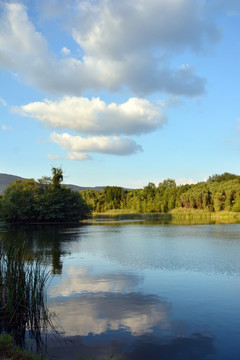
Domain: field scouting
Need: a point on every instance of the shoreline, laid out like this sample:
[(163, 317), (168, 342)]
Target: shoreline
[(177, 216)]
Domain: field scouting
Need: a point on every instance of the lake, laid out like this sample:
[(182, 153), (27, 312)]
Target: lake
[(139, 290)]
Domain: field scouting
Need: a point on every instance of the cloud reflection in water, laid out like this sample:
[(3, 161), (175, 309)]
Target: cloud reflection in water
[(81, 279), (104, 314)]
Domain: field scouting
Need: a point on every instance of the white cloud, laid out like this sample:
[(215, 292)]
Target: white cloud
[(134, 117), (135, 184), (66, 51), (3, 102), (71, 156), (78, 156), (53, 8), (18, 35), (185, 181), (54, 157), (103, 144), (138, 26), (171, 102), (125, 44)]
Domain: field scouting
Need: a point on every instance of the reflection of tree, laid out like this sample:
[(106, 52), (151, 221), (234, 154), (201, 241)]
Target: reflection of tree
[(42, 240), (197, 346), (22, 295)]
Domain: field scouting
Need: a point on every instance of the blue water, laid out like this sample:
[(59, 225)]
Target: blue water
[(141, 291)]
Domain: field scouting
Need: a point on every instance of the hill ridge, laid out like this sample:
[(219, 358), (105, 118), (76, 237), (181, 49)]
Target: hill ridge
[(6, 179)]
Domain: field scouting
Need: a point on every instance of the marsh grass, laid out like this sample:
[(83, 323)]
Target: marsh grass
[(178, 216), (22, 294), (120, 215), (10, 351)]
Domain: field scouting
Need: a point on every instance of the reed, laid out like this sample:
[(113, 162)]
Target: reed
[(22, 294), (178, 216), (10, 351), (120, 215)]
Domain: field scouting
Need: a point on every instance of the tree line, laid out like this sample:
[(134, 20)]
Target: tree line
[(219, 192), (46, 200)]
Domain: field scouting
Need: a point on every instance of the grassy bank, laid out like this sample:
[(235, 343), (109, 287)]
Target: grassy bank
[(9, 351), (122, 215), (212, 214), (179, 215)]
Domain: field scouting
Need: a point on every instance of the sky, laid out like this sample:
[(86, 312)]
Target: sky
[(120, 92)]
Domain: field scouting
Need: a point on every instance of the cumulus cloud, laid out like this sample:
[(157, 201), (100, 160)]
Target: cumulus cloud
[(78, 156), (125, 44), (134, 117), (94, 117), (121, 45), (139, 26), (51, 9), (107, 145)]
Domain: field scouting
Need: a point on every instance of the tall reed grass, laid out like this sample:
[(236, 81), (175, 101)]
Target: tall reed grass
[(22, 294)]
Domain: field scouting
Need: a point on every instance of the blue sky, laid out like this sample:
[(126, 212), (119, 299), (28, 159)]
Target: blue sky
[(120, 92)]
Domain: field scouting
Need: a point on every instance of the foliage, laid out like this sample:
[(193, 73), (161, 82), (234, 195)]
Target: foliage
[(223, 177), (8, 350), (48, 201), (220, 192), (57, 177), (43, 201)]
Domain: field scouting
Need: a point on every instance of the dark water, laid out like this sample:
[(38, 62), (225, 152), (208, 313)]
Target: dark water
[(141, 291)]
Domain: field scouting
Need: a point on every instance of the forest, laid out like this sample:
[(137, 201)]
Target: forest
[(219, 192)]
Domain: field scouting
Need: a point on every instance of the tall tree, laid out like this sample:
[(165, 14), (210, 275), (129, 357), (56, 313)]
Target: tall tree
[(57, 177)]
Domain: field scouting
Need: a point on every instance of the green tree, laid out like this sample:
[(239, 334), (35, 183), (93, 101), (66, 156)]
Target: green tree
[(44, 201), (57, 177), (223, 177), (220, 192)]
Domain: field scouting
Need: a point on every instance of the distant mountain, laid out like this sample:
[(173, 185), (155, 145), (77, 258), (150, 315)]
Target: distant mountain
[(80, 188), (5, 179)]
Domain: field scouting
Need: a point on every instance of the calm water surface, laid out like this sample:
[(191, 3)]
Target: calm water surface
[(143, 291)]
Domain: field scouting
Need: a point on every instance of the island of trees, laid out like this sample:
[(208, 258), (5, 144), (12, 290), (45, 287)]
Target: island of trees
[(45, 200), (219, 192)]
